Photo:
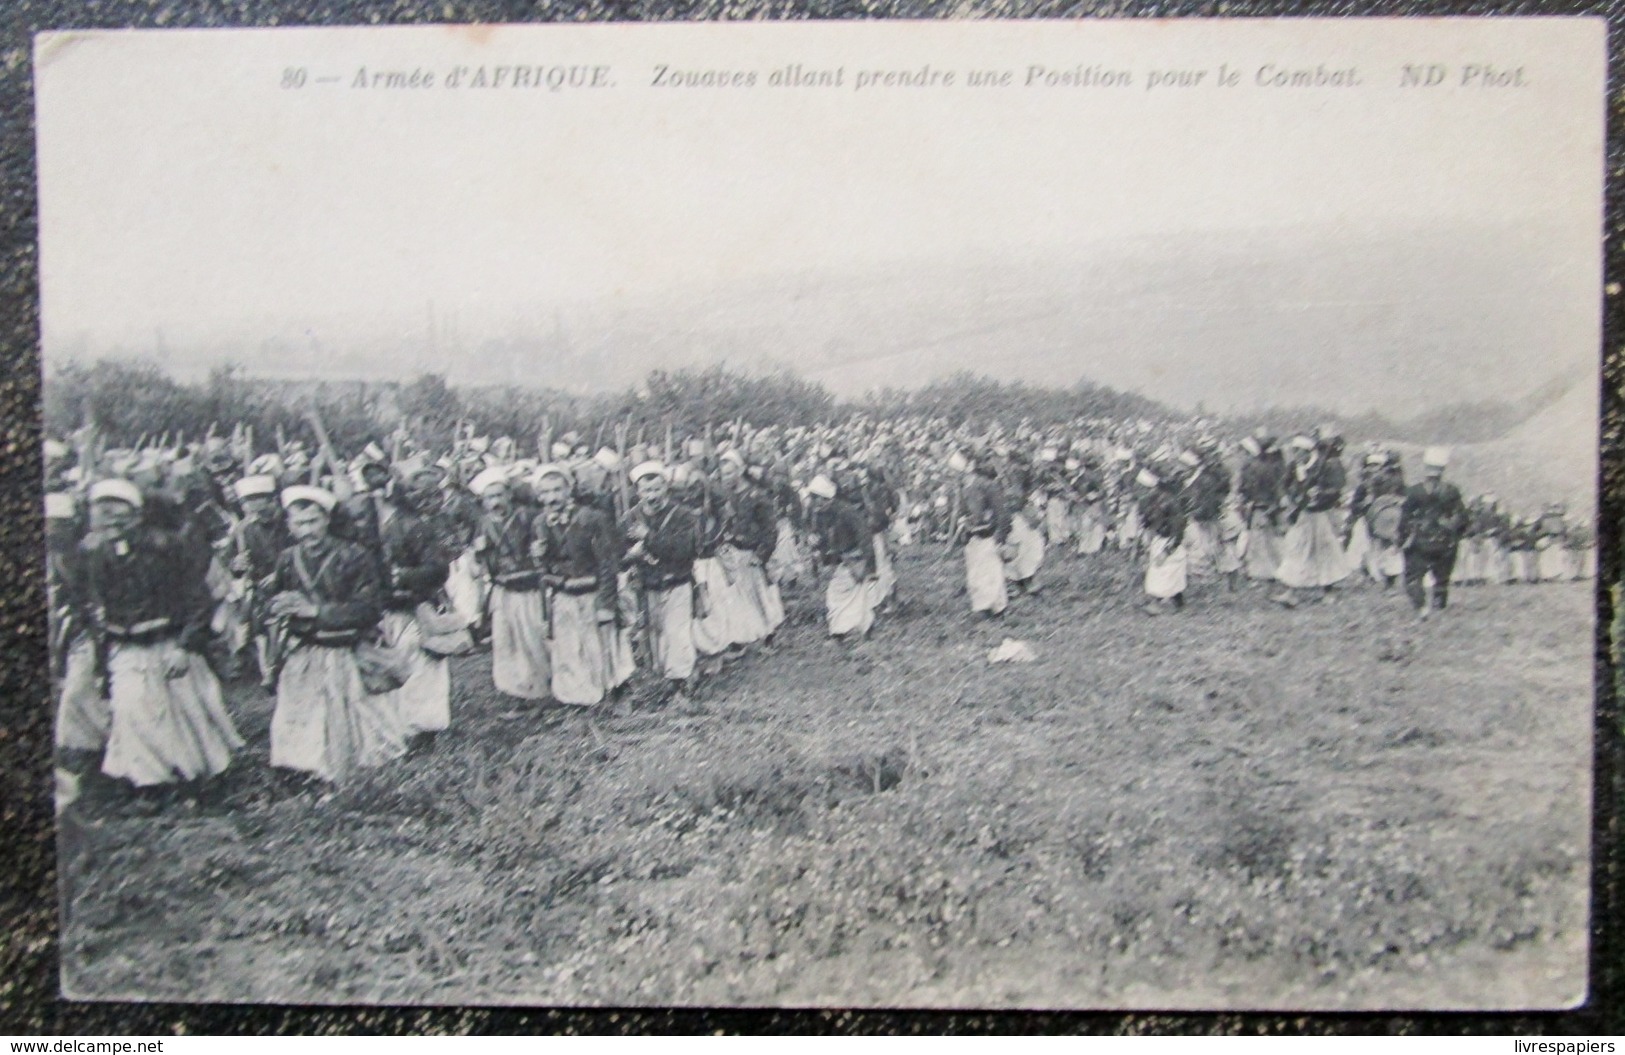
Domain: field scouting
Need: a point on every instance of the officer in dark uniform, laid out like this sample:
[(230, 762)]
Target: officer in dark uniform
[(1431, 523)]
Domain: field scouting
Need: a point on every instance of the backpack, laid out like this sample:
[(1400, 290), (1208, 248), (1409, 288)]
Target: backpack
[(1383, 518)]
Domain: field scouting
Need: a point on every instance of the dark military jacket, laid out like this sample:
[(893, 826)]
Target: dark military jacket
[(1320, 488), (581, 552), (1206, 491), (342, 578), (1163, 514), (748, 521), (844, 536), (262, 542), (669, 548), (1381, 481), (786, 500), (1432, 520), (1261, 484), (503, 549), (415, 563), (879, 503), (986, 515), (146, 586), (700, 499)]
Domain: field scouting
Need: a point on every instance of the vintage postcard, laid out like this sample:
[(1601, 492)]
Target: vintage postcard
[(1045, 514)]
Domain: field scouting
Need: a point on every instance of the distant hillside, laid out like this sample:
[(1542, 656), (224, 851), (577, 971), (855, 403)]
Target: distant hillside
[(1551, 457), (1449, 423), (1229, 321)]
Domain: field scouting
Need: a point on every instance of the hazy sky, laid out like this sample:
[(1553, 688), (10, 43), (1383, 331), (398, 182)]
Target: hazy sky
[(183, 188)]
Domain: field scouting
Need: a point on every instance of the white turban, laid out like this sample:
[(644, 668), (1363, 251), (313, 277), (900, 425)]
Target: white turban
[(649, 468), (301, 493), (255, 486), (552, 469), (116, 489), (488, 479)]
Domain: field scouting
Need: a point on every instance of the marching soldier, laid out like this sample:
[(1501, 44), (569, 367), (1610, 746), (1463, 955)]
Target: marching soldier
[(1431, 523), (879, 503), (328, 721), (1205, 491), (1025, 542), (787, 564), (83, 716), (1162, 511), (749, 534), (1374, 511), (580, 555), (415, 566), (1088, 487), (1551, 544), (663, 541), (458, 519), (168, 721), (985, 525), (515, 603), (1312, 551), (1055, 485), (1263, 476), (251, 551), (844, 545)]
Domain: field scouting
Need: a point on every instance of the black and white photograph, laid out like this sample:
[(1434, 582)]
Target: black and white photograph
[(962, 514)]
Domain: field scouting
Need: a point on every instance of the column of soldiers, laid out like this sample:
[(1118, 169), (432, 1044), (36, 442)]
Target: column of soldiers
[(345, 586)]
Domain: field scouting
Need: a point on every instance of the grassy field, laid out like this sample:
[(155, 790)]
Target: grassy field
[(1239, 806)]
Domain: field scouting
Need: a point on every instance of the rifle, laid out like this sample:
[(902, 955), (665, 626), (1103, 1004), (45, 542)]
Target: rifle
[(644, 626), (622, 487), (647, 638), (101, 651), (272, 650)]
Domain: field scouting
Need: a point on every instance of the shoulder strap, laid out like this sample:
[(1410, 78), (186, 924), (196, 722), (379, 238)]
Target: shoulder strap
[(305, 577)]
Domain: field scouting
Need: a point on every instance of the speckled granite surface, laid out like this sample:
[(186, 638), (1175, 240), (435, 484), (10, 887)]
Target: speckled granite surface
[(28, 987)]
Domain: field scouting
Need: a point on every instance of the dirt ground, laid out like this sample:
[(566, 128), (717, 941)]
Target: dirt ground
[(1238, 806)]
